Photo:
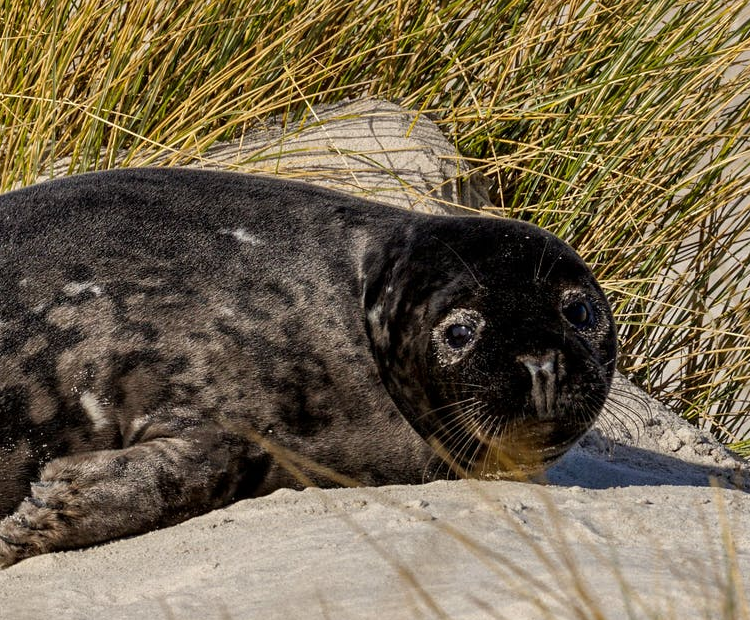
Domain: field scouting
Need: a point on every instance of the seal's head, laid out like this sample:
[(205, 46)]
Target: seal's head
[(494, 340)]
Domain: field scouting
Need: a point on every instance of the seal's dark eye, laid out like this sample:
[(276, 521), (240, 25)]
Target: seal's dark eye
[(458, 336), (580, 314)]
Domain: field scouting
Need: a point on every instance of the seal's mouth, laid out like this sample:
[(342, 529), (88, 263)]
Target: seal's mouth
[(519, 450), (519, 457)]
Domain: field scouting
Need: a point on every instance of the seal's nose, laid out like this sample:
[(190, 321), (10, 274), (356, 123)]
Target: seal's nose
[(544, 371)]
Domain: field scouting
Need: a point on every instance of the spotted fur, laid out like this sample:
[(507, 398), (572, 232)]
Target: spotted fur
[(173, 340)]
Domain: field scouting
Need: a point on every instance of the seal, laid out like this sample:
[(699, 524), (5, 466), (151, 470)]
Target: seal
[(172, 340)]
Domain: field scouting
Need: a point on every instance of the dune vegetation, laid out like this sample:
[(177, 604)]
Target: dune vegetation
[(621, 125)]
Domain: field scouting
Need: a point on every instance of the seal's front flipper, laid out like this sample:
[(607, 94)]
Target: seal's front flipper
[(95, 496)]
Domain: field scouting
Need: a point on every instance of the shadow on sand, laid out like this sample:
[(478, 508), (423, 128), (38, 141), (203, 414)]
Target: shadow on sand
[(630, 466)]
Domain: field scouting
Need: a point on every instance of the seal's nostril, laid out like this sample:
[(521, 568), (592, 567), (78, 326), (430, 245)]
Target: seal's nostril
[(536, 364), (544, 382), (536, 367)]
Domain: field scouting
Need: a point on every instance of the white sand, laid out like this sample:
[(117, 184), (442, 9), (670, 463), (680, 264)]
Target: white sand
[(629, 525)]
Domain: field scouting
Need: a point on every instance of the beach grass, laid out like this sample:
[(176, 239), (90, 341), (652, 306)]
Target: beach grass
[(620, 125)]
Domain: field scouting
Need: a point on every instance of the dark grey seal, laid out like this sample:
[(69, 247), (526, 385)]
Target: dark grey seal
[(174, 340)]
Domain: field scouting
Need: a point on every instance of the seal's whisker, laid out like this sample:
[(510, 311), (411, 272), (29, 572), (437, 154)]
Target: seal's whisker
[(619, 399), (450, 406), (540, 262), (588, 406), (482, 444), (477, 430), (463, 262), (475, 390), (551, 267), (493, 442), (457, 438), (617, 409), (459, 425), (462, 455), (478, 386)]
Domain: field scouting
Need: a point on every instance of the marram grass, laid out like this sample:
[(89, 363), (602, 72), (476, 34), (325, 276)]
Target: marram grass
[(620, 125)]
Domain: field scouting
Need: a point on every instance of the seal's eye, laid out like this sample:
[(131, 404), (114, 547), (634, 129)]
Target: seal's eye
[(580, 313), (458, 336)]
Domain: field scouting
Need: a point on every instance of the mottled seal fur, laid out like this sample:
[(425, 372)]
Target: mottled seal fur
[(173, 340)]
